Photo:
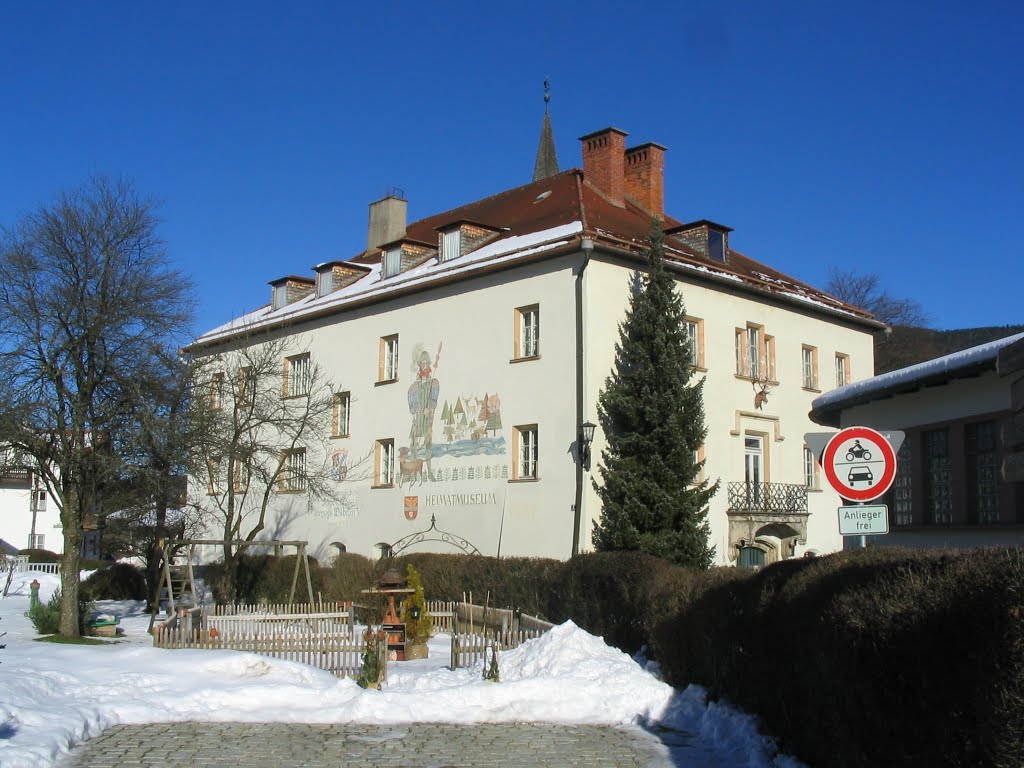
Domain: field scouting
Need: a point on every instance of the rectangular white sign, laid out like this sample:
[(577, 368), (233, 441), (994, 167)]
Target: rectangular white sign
[(863, 520)]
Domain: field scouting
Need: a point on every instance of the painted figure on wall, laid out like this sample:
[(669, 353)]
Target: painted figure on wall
[(423, 393)]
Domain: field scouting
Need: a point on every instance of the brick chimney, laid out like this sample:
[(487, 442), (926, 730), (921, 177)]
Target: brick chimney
[(604, 161), (645, 177)]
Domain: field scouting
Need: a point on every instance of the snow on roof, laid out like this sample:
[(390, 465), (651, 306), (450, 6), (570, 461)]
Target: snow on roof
[(369, 286), (912, 377)]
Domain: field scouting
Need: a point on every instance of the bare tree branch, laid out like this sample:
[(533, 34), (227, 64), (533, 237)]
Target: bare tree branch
[(89, 302), (262, 415)]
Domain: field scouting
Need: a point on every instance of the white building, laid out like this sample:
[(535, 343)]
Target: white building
[(29, 518), (468, 348)]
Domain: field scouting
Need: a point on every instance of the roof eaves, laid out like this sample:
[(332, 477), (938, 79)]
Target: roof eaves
[(966, 363)]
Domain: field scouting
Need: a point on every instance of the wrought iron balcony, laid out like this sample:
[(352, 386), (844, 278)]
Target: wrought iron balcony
[(767, 498)]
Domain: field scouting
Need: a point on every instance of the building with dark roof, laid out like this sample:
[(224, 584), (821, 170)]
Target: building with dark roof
[(471, 345)]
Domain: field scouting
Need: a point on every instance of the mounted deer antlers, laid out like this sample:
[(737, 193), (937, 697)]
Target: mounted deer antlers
[(762, 386)]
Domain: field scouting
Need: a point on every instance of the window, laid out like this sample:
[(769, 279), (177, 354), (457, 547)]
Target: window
[(842, 369), (36, 541), (387, 365), (246, 386), (278, 296), (983, 472), (384, 463), (293, 478), (902, 497), (811, 478), (755, 353), (526, 452), (39, 501), (753, 468), (213, 475), (342, 401), (698, 458), (451, 244), (694, 328), (297, 375), (217, 391), (527, 341), (392, 262), (938, 496), (716, 245), (239, 475), (809, 367)]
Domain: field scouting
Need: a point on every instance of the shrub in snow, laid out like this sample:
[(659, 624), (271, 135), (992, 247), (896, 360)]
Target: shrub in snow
[(46, 616), (416, 629), (373, 665), (120, 581)]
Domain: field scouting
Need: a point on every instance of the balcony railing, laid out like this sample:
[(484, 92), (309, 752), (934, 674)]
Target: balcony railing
[(767, 498)]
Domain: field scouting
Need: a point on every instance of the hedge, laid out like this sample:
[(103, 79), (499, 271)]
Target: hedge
[(865, 658)]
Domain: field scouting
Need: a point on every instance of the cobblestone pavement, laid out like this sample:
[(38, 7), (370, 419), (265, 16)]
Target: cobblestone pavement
[(288, 745)]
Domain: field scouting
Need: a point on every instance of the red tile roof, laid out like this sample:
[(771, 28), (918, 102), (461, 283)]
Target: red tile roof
[(568, 197)]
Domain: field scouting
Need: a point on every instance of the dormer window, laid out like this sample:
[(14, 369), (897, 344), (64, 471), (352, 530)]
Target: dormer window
[(451, 244), (392, 261), (278, 296), (288, 290), (458, 238), (332, 276), (705, 237)]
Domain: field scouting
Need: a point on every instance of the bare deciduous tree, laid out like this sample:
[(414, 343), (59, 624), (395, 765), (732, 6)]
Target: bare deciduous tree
[(866, 292), (262, 414), (150, 506), (901, 344), (90, 305)]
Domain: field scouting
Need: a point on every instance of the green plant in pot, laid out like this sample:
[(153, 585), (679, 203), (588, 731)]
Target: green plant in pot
[(418, 623)]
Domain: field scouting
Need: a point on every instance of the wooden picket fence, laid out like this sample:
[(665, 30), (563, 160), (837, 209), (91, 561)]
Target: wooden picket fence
[(323, 639), (470, 649), (326, 636), (479, 628)]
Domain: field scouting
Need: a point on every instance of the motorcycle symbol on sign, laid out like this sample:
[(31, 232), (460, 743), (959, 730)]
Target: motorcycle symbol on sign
[(858, 452)]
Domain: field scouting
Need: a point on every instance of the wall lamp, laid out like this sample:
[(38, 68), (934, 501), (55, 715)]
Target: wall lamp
[(586, 438)]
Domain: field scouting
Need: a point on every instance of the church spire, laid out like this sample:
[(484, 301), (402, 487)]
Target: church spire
[(547, 161)]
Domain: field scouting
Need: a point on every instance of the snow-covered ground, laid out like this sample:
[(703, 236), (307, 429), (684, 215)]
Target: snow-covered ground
[(53, 697)]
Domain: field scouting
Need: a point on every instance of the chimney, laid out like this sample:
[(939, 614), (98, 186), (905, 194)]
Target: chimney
[(645, 177), (604, 162), (387, 220)]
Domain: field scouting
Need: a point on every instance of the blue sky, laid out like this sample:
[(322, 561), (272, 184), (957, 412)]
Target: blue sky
[(880, 137)]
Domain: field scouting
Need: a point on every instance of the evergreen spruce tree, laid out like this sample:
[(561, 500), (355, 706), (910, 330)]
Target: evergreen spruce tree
[(652, 416)]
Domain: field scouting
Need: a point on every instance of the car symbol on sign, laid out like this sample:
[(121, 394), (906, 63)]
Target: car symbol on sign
[(860, 473)]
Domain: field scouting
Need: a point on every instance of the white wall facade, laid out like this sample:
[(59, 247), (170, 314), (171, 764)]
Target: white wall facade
[(16, 517), (730, 413), (466, 330)]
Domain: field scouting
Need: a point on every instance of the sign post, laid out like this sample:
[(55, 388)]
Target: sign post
[(860, 464)]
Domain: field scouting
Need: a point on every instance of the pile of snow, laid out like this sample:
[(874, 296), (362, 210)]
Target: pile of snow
[(53, 697)]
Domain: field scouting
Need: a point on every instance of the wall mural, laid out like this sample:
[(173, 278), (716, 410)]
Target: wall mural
[(469, 423)]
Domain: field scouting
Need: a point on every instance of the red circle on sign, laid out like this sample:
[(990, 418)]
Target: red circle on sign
[(844, 488)]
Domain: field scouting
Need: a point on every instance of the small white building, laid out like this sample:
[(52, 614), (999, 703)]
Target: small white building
[(29, 518), (468, 348), (958, 473)]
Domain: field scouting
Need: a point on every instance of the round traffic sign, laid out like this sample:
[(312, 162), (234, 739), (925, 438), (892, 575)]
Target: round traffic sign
[(859, 463)]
